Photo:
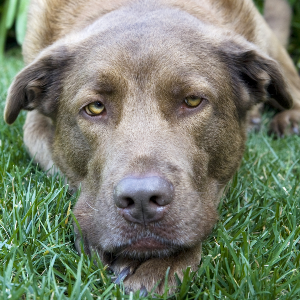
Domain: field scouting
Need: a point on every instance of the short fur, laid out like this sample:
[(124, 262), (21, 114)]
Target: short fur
[(141, 59)]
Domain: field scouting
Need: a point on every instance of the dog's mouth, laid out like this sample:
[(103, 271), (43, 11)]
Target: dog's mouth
[(146, 244), (146, 247)]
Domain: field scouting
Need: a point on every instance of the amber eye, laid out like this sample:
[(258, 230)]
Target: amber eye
[(94, 108), (193, 101)]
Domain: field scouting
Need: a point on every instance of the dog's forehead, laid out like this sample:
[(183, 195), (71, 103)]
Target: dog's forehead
[(163, 40)]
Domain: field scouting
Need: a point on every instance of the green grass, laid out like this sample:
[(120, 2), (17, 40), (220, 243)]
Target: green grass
[(253, 252)]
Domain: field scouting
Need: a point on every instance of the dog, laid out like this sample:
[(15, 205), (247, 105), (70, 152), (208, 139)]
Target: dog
[(144, 104)]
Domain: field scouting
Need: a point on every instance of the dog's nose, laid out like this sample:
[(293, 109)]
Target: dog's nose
[(143, 200)]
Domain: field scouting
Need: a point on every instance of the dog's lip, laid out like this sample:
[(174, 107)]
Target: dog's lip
[(146, 244)]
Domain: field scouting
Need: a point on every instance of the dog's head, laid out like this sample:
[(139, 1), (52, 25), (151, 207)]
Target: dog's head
[(150, 118)]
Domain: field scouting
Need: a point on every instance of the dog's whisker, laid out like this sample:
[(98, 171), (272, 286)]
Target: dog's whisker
[(91, 206)]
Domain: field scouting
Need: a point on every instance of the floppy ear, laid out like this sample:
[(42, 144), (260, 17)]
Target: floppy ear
[(258, 73), (38, 85)]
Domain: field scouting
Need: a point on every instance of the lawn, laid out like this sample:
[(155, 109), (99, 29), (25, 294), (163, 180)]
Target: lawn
[(252, 253)]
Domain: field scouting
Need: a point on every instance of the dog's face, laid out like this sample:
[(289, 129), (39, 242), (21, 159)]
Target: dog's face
[(150, 119)]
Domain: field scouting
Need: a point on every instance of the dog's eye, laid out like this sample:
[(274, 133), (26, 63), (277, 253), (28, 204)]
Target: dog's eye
[(193, 101), (94, 108)]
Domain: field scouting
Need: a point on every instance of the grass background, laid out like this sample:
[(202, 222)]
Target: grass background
[(252, 253)]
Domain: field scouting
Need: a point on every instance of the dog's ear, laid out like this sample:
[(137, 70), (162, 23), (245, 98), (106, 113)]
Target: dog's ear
[(258, 73), (38, 85)]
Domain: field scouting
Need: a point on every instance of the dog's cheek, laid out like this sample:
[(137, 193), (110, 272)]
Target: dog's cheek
[(71, 152), (225, 148), (94, 209)]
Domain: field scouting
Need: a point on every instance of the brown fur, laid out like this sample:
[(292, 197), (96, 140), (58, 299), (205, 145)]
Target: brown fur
[(278, 15), (141, 59)]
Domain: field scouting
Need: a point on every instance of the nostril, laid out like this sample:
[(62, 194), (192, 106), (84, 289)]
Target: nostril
[(154, 199), (125, 202), (157, 200), (129, 201)]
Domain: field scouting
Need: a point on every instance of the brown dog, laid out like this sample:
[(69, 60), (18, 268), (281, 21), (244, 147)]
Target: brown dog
[(144, 103)]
